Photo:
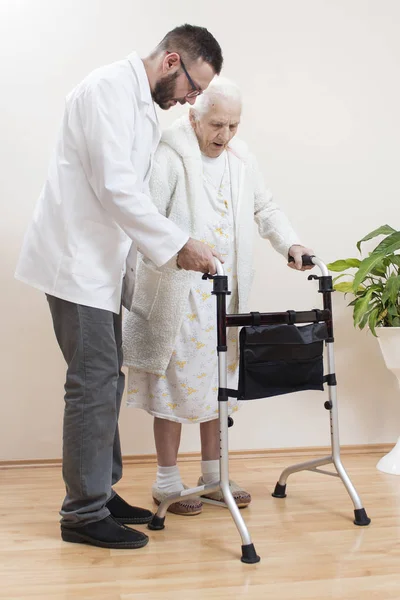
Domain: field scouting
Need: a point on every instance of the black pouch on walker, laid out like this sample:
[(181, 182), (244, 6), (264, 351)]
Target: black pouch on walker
[(280, 359)]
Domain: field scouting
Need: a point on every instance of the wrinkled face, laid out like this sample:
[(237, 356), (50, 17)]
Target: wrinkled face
[(173, 86), (215, 129)]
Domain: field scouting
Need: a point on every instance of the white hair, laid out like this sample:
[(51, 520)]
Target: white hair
[(220, 88)]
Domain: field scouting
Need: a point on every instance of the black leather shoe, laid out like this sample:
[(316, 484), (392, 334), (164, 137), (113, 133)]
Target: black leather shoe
[(125, 513), (106, 533)]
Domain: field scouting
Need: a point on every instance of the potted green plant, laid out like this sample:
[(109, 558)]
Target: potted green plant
[(374, 281)]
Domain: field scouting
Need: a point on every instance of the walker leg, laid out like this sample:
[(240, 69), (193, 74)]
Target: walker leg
[(158, 519), (249, 554), (280, 488), (360, 516)]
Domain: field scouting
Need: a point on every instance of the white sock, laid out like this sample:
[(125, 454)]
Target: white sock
[(169, 479), (210, 471)]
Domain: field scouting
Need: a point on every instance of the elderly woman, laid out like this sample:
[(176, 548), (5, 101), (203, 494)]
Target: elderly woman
[(206, 181)]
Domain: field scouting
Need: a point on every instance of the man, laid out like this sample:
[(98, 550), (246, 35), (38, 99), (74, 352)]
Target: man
[(94, 210)]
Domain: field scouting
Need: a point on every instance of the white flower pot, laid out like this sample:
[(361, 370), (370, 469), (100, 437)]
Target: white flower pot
[(389, 342)]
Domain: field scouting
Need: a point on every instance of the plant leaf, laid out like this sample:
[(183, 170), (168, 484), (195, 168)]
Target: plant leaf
[(372, 320), (345, 287), (364, 319), (391, 291), (380, 269), (387, 246), (335, 279), (383, 314), (362, 306), (393, 259), (344, 264), (393, 311), (382, 230)]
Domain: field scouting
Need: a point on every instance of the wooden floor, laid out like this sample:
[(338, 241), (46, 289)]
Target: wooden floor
[(309, 547)]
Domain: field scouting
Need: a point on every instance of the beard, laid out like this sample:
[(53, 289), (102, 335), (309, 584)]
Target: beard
[(164, 90)]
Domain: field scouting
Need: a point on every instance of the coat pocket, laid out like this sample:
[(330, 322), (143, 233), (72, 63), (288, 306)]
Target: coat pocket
[(101, 252), (147, 285)]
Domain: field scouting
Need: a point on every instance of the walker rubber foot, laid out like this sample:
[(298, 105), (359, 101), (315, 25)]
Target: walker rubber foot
[(249, 555), (156, 523), (361, 517), (279, 491)]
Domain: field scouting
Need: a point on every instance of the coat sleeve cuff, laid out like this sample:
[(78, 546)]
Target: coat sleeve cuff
[(167, 249)]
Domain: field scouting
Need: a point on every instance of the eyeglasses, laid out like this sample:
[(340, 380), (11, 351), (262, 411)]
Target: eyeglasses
[(195, 90)]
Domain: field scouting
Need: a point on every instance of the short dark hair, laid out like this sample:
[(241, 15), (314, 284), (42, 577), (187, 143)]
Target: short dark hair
[(193, 43)]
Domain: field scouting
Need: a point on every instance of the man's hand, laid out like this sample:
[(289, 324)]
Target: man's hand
[(196, 256), (297, 252)]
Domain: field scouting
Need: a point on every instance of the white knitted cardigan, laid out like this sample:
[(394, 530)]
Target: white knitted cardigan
[(161, 294)]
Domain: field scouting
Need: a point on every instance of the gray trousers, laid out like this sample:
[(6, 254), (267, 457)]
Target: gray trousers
[(91, 342)]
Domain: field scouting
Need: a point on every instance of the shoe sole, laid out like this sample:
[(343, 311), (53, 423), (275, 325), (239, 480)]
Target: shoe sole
[(78, 538), (222, 503), (176, 512), (128, 521)]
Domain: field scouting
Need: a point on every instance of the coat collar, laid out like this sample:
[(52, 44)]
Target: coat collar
[(144, 86), (181, 137)]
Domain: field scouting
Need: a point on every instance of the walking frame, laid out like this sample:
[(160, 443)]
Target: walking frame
[(220, 290)]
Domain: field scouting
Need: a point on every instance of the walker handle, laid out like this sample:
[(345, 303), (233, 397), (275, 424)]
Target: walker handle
[(218, 266), (310, 261), (306, 258)]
